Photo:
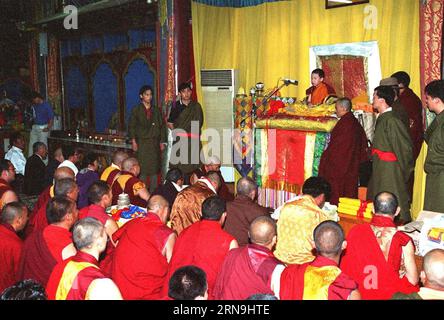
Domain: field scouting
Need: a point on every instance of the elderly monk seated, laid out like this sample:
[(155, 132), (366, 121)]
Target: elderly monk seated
[(43, 249), (188, 204), (253, 268), (110, 173), (213, 164), (378, 257), (129, 183), (79, 277), (432, 278), (243, 210), (321, 279)]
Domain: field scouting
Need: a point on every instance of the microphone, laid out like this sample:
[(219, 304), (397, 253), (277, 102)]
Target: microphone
[(290, 81)]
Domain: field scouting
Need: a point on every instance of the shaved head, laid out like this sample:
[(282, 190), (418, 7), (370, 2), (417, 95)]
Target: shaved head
[(262, 230), (127, 164), (245, 186), (119, 156), (434, 267), (63, 173), (157, 202), (213, 176), (328, 237)]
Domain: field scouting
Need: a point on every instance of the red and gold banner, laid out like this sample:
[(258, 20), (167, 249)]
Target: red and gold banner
[(53, 74), (431, 24), (33, 74)]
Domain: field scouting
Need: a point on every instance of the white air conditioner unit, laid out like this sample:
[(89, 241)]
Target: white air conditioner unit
[(219, 88)]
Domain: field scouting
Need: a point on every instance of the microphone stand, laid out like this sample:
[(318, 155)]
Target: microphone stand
[(267, 98)]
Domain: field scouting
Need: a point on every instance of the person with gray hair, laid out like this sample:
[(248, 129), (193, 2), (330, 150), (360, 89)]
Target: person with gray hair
[(381, 245), (346, 151), (243, 210), (322, 279), (79, 277), (252, 268), (128, 182), (432, 278), (66, 187), (213, 163), (35, 170), (13, 219)]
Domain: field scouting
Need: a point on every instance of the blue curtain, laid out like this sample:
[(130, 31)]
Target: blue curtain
[(234, 3), (76, 89), (138, 75), (141, 37), (117, 41), (91, 44), (104, 96), (70, 48)]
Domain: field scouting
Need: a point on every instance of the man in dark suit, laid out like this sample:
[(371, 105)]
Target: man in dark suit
[(173, 185), (35, 169)]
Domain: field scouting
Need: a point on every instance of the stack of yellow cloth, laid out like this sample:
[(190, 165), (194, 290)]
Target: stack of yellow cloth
[(355, 207)]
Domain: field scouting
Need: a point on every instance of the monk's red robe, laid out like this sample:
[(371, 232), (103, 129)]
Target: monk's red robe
[(37, 218), (94, 211), (320, 279), (203, 244), (10, 250), (319, 93), (126, 182), (244, 272), (364, 261), (110, 174), (413, 106), (42, 250), (138, 266), (340, 162), (71, 278)]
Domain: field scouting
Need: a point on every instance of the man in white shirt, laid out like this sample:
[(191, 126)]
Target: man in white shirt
[(71, 156), (17, 158)]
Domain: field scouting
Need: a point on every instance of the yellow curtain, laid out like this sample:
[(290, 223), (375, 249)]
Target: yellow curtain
[(272, 40)]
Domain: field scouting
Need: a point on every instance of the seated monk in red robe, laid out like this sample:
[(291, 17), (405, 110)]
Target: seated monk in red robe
[(43, 249), (140, 260), (79, 277), (213, 164), (253, 268), (111, 173), (187, 208), (346, 150), (203, 244), (13, 219), (320, 279), (37, 219), (378, 257), (319, 89), (129, 183), (7, 176)]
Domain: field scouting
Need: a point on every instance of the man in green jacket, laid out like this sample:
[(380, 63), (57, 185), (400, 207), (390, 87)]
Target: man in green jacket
[(434, 136), (392, 157), (147, 131), (186, 119)]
